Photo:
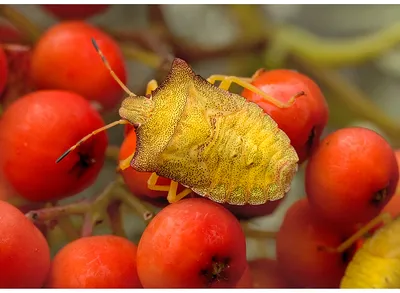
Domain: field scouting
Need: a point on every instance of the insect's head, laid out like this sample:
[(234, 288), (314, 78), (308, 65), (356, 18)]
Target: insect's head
[(136, 109)]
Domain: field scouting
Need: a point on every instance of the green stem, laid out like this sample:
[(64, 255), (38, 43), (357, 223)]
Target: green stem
[(112, 152), (30, 30), (65, 224), (253, 233), (95, 211), (338, 52), (353, 98), (146, 57)]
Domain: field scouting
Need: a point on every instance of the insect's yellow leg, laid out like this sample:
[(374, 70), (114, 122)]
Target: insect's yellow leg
[(213, 78), (172, 196), (226, 82), (384, 218), (126, 163), (172, 188), (152, 183), (151, 86)]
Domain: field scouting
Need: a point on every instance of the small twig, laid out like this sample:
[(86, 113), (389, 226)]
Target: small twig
[(353, 98), (112, 153), (135, 53), (193, 53), (115, 217), (95, 211), (253, 233), (132, 201), (30, 30), (338, 52), (65, 224), (87, 225)]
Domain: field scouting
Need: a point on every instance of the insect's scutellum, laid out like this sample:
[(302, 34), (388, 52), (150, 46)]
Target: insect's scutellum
[(112, 124)]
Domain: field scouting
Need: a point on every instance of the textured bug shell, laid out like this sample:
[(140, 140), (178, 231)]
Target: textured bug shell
[(377, 263), (214, 142)]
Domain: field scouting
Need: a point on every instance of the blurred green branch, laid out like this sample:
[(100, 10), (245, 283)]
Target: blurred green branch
[(336, 52), (29, 30), (311, 61)]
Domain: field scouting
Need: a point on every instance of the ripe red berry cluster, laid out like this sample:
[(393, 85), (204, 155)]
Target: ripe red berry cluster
[(351, 176)]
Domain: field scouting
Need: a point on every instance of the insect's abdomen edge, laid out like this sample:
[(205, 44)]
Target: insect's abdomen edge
[(250, 159)]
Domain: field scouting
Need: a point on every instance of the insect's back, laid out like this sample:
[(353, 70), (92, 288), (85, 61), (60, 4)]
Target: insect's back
[(228, 149), (377, 263)]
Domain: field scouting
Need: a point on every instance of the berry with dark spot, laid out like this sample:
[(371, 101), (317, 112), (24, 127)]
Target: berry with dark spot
[(351, 176), (193, 243), (39, 127)]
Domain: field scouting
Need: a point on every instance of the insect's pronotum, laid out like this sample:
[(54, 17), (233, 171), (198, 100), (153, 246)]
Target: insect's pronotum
[(208, 139)]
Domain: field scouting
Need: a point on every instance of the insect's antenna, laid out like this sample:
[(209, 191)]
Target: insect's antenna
[(112, 124), (108, 66)]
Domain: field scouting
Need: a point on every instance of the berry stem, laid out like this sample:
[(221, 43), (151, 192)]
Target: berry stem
[(254, 233), (65, 224), (104, 207), (115, 216), (338, 52), (112, 153), (134, 53), (143, 209), (30, 30)]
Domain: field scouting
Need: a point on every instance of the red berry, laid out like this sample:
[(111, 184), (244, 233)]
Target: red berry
[(246, 281), (75, 11), (18, 78), (266, 274), (393, 206), (64, 58), (397, 154), (298, 247), (9, 34), (305, 120), (37, 129), (105, 261), (137, 181), (194, 243), (351, 176), (3, 71), (24, 253)]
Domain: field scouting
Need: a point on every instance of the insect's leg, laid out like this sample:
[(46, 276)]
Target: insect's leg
[(213, 78), (172, 188), (226, 82), (151, 86), (384, 218), (152, 183), (172, 196), (126, 163)]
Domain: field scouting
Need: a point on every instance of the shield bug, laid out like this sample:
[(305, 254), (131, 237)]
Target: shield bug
[(212, 141), (376, 264)]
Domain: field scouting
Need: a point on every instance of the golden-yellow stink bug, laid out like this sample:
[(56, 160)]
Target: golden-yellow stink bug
[(208, 139), (377, 263)]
